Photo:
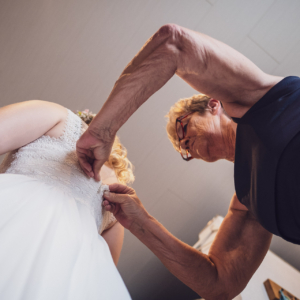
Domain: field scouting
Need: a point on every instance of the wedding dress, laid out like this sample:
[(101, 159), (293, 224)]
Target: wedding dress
[(50, 215)]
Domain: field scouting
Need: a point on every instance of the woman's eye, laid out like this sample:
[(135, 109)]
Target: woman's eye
[(185, 128)]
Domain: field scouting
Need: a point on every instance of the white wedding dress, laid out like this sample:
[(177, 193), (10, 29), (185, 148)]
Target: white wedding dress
[(50, 215)]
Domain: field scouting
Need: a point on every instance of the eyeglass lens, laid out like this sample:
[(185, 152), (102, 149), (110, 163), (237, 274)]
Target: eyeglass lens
[(179, 130)]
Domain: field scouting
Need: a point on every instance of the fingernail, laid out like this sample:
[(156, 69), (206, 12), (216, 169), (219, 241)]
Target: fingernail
[(106, 193)]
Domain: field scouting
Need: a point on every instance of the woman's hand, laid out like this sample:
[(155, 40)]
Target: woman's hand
[(92, 153), (123, 202)]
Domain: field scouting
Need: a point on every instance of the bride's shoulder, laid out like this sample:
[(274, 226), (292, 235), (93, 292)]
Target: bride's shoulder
[(58, 129)]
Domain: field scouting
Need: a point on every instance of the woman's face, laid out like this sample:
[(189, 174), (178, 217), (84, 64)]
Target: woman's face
[(205, 136)]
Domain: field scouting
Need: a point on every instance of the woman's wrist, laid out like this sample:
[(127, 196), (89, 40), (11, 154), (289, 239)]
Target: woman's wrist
[(105, 134), (105, 124), (140, 225)]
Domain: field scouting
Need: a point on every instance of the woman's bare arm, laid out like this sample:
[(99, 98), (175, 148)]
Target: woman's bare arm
[(24, 122), (208, 65), (238, 249), (114, 237)]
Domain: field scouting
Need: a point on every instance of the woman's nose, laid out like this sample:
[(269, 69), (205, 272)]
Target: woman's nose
[(184, 144)]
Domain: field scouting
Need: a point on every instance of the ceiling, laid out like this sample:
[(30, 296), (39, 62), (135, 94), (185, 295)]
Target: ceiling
[(72, 52)]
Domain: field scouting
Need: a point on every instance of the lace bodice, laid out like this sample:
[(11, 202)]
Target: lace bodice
[(54, 161)]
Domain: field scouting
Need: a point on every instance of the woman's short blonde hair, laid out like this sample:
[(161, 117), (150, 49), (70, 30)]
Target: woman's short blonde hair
[(118, 157), (197, 103)]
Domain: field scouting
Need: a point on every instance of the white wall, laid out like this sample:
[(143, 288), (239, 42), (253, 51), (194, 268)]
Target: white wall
[(72, 51)]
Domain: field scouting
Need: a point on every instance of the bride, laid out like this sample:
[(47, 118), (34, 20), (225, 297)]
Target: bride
[(51, 213)]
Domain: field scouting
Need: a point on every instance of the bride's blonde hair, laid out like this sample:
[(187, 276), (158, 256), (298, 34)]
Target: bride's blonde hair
[(120, 163), (118, 157)]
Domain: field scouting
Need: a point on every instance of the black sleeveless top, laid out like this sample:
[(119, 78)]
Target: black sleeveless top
[(267, 159)]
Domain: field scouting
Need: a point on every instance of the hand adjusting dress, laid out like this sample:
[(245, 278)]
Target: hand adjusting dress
[(267, 159), (50, 215)]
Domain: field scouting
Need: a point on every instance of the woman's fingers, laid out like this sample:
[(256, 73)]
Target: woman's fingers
[(115, 198), (87, 168), (121, 189), (105, 202), (84, 161), (96, 168), (91, 154), (109, 206)]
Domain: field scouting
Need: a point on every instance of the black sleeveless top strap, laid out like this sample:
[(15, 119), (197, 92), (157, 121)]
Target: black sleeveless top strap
[(267, 159)]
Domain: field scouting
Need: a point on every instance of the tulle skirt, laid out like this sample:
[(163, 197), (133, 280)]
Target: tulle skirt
[(50, 247)]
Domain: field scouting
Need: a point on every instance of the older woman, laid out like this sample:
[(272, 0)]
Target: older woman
[(266, 137), (199, 127)]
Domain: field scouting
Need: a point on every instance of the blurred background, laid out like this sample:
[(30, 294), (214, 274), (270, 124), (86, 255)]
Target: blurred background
[(71, 52)]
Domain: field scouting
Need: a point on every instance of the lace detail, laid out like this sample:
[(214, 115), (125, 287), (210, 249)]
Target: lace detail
[(108, 219), (54, 161)]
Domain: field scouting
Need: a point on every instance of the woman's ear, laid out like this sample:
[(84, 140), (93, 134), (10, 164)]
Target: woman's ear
[(214, 105)]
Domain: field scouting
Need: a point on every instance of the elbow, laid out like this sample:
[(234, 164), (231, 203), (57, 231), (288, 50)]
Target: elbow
[(216, 293), (221, 289), (227, 295), (169, 30), (170, 33), (226, 291), (219, 295)]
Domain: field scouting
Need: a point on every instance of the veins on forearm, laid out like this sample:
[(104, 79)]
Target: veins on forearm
[(104, 134)]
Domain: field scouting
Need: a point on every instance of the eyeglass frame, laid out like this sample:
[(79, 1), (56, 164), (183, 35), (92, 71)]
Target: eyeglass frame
[(178, 120)]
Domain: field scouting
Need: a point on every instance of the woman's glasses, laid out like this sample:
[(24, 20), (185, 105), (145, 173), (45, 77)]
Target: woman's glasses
[(181, 133)]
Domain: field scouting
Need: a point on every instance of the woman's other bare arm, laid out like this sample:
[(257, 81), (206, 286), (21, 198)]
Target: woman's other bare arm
[(24, 122), (236, 253), (238, 249)]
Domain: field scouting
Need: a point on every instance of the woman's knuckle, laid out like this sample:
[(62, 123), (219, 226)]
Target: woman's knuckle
[(128, 197)]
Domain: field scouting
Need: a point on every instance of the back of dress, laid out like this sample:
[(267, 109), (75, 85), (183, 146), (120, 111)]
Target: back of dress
[(49, 221), (54, 161)]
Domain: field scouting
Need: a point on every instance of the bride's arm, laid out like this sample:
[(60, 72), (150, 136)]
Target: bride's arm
[(114, 238), (24, 122), (114, 235)]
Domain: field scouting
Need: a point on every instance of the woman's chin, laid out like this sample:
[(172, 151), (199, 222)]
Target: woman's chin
[(212, 159), (208, 159)]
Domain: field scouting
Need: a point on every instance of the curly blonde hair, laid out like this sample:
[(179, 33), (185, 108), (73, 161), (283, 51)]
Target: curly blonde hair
[(120, 163), (197, 103), (118, 157)]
